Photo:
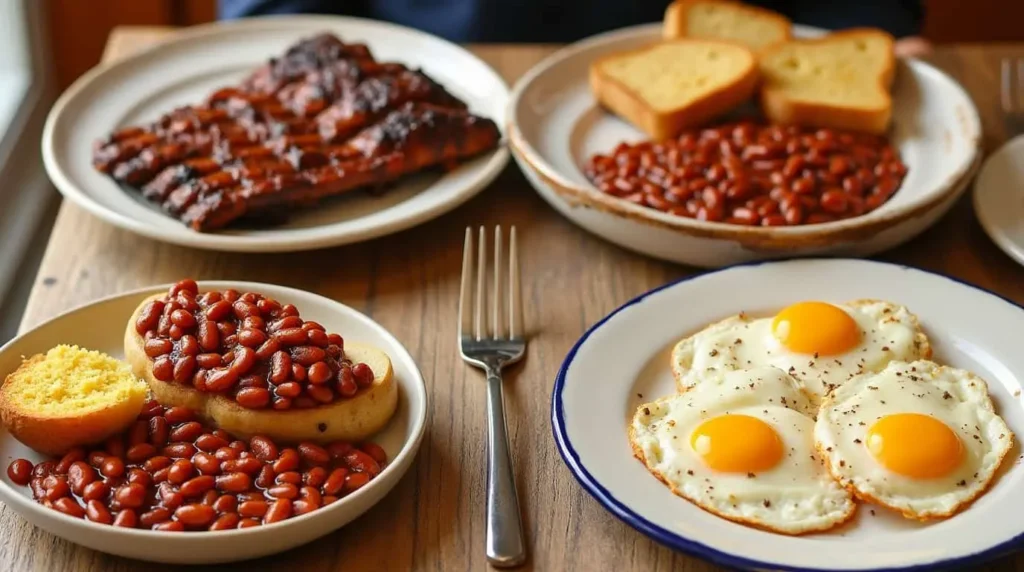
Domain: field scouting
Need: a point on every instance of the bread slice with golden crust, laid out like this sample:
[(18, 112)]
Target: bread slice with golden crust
[(68, 397), (841, 81), (351, 419), (754, 27), (673, 85)]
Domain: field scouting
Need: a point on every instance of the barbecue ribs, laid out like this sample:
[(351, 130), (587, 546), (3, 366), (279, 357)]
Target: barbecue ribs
[(324, 119)]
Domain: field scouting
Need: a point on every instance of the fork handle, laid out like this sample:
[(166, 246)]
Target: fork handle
[(505, 545)]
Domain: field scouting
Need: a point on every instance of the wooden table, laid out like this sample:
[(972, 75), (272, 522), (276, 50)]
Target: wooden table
[(434, 519)]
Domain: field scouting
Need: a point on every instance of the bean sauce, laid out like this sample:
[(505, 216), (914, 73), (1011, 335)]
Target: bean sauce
[(182, 487), (248, 347), (754, 175)]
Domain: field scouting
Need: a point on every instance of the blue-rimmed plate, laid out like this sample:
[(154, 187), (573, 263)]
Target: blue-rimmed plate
[(624, 361)]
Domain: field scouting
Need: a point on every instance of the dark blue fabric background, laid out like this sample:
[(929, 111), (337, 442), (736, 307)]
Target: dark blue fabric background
[(570, 20)]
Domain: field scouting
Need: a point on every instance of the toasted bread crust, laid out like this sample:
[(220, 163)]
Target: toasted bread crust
[(659, 125), (351, 419), (56, 435), (779, 107), (678, 12)]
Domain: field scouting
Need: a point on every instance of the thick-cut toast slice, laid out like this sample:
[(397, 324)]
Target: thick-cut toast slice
[(351, 419), (672, 85), (756, 28), (841, 81)]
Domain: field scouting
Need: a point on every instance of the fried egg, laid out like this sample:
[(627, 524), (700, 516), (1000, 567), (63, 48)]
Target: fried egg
[(820, 344), (740, 445), (920, 438)]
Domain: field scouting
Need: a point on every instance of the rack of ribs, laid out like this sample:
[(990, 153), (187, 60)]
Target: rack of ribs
[(324, 119)]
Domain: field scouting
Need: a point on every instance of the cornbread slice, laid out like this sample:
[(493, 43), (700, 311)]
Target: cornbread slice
[(755, 28), (672, 85), (69, 397), (841, 81)]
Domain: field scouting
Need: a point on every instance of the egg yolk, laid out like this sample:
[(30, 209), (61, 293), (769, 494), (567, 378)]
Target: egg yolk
[(816, 328), (737, 444), (915, 445)]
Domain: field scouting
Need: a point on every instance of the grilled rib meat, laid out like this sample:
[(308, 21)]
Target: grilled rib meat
[(369, 99), (407, 141), (358, 107), (324, 119), (306, 57)]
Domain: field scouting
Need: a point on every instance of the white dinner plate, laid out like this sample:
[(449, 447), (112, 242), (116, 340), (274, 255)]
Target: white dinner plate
[(999, 198), (626, 355), (195, 62), (556, 125), (100, 326)]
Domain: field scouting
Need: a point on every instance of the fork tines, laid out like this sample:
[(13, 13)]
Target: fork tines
[(506, 318)]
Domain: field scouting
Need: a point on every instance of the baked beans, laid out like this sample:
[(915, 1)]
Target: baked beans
[(754, 175), (247, 347), (260, 482)]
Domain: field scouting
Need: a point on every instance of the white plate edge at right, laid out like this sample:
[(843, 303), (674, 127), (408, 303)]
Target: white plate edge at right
[(994, 195)]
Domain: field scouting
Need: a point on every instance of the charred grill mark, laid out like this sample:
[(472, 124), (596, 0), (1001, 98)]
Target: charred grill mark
[(306, 57), (372, 98), (323, 119), (408, 140)]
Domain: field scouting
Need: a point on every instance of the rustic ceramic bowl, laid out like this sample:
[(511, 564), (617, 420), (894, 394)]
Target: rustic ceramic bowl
[(555, 125), (100, 326)]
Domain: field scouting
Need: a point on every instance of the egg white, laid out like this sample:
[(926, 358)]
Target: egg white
[(956, 397), (888, 332), (794, 497)]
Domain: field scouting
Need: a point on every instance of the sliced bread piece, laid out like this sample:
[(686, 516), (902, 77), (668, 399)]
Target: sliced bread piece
[(756, 28), (672, 85), (351, 419), (841, 80)]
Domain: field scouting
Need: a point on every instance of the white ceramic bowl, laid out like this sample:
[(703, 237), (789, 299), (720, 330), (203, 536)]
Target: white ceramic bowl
[(196, 61), (623, 361), (100, 326), (555, 125)]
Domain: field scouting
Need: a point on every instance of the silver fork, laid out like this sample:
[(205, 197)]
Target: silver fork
[(491, 347), (1012, 95)]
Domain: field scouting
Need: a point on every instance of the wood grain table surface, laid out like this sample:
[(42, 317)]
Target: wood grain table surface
[(434, 518)]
